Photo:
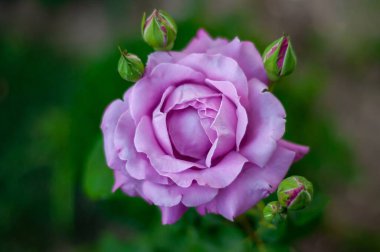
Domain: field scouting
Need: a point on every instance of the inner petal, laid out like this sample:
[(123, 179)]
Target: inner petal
[(187, 133)]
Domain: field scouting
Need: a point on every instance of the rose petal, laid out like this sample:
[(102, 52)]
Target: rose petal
[(157, 58), (145, 142), (186, 93), (218, 176), (151, 87), (127, 184), (225, 127), (171, 215), (202, 42), (110, 118), (253, 184), (187, 134), (246, 55), (300, 150), (219, 67), (229, 91), (196, 195), (137, 164), (159, 124), (120, 179), (266, 124), (161, 195)]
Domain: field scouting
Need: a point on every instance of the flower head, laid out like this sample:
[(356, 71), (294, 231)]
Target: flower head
[(200, 130)]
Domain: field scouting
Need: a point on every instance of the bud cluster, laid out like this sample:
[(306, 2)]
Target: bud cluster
[(293, 193)]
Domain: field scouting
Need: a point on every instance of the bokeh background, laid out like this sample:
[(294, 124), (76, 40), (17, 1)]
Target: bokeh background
[(58, 72)]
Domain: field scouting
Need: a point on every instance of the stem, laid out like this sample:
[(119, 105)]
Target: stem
[(244, 222)]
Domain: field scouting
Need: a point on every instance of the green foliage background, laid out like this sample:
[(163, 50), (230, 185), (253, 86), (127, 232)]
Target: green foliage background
[(55, 187)]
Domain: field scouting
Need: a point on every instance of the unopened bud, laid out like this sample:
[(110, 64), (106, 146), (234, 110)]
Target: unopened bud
[(159, 30), (273, 212), (279, 58), (130, 66), (295, 192)]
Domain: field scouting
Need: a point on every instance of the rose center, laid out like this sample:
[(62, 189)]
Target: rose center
[(187, 134)]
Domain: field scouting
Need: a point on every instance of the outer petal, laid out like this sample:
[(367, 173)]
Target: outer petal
[(151, 87), (145, 142), (120, 179), (157, 58), (246, 55), (219, 67), (219, 176), (300, 150), (266, 124), (202, 42), (171, 215), (197, 195), (110, 118), (137, 165), (161, 195), (253, 184), (127, 184)]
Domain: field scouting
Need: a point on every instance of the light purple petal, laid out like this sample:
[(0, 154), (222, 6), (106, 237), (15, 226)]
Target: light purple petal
[(145, 142), (202, 42), (229, 91), (151, 87), (137, 165), (159, 124), (266, 124), (187, 134), (123, 136), (225, 126), (188, 92), (252, 185), (218, 176), (157, 58), (171, 215), (196, 195), (127, 184), (246, 55), (110, 118), (219, 67), (120, 179), (300, 150), (161, 195)]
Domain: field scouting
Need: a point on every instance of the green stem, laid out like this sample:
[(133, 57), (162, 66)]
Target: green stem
[(244, 222)]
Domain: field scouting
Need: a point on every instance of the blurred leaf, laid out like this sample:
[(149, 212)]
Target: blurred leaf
[(98, 179)]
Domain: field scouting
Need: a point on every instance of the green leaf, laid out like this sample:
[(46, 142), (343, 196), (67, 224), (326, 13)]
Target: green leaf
[(98, 177)]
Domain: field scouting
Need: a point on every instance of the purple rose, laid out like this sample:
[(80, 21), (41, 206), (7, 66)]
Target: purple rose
[(199, 130)]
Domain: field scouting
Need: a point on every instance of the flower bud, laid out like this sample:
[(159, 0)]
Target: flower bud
[(130, 66), (273, 212), (295, 192), (279, 58), (159, 30)]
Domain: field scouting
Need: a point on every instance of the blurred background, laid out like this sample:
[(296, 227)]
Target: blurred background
[(58, 72)]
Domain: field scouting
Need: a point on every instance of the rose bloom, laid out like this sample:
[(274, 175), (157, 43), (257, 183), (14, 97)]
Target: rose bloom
[(199, 129)]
